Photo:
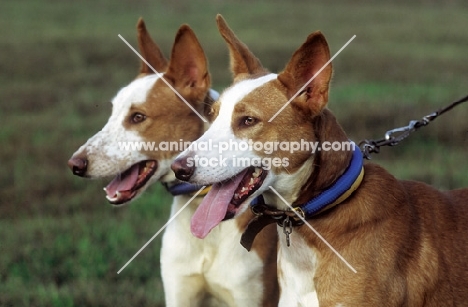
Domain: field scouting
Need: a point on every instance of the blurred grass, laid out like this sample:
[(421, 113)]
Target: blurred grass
[(62, 62)]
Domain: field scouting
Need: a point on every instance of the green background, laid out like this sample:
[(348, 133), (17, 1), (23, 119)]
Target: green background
[(61, 62)]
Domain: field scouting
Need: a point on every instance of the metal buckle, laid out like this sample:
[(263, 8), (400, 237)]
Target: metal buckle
[(255, 211), (389, 134), (299, 212)]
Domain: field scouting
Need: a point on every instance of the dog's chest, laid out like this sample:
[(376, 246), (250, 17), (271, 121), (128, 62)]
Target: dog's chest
[(227, 264), (296, 269), (229, 271)]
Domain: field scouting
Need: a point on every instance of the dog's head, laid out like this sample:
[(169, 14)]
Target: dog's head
[(244, 161), (145, 114)]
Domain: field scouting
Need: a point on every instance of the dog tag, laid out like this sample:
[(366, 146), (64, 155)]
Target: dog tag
[(287, 229)]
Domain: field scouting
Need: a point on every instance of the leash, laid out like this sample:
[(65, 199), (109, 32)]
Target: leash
[(395, 136)]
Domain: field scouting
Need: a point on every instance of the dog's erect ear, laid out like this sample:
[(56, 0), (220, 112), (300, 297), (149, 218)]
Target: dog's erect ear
[(149, 51), (304, 64), (243, 61), (188, 65)]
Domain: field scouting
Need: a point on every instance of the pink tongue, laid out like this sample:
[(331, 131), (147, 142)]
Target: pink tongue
[(213, 208), (123, 182)]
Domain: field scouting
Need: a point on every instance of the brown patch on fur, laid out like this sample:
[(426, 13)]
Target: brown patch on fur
[(209, 112), (304, 64), (243, 63), (328, 165), (406, 240), (149, 51), (262, 103), (187, 72), (162, 105), (188, 66)]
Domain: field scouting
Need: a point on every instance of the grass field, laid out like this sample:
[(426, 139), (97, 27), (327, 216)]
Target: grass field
[(61, 62)]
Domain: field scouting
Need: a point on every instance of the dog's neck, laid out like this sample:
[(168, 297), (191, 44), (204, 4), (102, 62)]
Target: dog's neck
[(327, 166), (319, 171), (318, 174)]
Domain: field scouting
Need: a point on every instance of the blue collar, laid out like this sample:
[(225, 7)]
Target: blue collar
[(181, 188), (336, 193)]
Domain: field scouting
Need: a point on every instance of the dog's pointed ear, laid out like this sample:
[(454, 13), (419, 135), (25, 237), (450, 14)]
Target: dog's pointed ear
[(188, 66), (305, 63), (149, 51), (243, 61)]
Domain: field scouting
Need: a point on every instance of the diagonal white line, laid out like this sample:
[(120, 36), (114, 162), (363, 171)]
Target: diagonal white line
[(162, 228), (315, 231), (313, 77), (161, 76)]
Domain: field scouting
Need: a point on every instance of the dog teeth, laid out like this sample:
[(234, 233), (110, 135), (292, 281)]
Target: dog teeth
[(257, 172), (243, 189), (251, 182), (236, 195), (111, 198)]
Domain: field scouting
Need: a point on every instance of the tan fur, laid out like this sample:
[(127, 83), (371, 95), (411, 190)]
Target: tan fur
[(149, 51), (242, 63), (406, 240)]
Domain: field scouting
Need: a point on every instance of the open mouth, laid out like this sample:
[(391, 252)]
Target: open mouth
[(224, 200), (124, 187), (251, 182)]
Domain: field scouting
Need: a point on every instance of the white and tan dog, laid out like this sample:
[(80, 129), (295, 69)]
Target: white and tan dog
[(195, 272), (407, 241)]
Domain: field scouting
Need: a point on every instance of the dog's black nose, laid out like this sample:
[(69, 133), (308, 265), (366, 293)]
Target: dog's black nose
[(78, 166), (182, 169)]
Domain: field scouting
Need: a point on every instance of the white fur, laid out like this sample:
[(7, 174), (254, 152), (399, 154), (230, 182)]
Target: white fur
[(293, 261), (218, 263)]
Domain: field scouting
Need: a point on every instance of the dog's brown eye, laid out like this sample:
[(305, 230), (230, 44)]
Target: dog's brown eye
[(137, 118), (249, 121)]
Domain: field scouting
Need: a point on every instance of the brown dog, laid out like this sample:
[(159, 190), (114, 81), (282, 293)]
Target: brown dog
[(407, 241)]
